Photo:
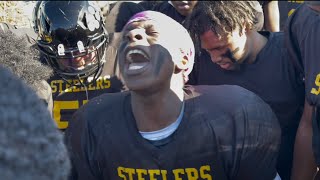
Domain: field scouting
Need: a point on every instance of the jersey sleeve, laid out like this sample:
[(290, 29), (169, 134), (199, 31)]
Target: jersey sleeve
[(77, 138), (258, 141), (311, 59)]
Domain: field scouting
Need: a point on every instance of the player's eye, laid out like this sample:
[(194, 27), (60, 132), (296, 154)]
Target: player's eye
[(152, 33), (150, 30)]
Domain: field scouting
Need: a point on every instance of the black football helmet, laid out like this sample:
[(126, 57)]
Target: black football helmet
[(34, 16), (72, 37)]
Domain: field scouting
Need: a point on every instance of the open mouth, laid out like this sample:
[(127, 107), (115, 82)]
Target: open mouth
[(221, 63), (183, 6), (137, 59), (224, 65)]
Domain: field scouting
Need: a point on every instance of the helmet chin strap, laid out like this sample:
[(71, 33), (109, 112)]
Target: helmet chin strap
[(86, 82), (85, 87)]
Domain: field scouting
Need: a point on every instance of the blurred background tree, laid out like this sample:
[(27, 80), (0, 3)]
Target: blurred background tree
[(19, 13)]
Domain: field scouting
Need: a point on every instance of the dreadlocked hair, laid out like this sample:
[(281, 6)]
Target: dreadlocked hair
[(222, 17)]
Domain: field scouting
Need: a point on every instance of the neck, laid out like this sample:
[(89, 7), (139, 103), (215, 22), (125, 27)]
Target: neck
[(157, 110), (256, 44)]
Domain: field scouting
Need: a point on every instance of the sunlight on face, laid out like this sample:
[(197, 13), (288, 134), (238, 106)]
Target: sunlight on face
[(227, 51)]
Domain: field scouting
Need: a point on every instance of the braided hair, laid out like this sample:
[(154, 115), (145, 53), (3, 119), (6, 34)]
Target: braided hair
[(222, 17)]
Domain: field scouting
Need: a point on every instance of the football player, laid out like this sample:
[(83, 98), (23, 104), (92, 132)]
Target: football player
[(163, 130), (233, 52), (302, 41), (74, 42)]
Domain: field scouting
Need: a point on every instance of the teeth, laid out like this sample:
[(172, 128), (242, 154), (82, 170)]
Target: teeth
[(135, 51), (136, 66)]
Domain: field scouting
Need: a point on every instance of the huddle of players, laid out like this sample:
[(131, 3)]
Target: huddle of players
[(167, 129)]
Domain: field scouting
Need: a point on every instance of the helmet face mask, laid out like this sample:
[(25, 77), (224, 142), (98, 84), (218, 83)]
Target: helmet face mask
[(73, 38)]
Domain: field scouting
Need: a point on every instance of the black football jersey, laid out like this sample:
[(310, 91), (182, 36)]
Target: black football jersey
[(303, 41), (67, 99), (226, 132)]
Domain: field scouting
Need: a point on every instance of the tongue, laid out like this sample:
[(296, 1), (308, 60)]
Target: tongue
[(136, 66)]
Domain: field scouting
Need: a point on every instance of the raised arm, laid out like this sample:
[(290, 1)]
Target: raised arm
[(271, 16)]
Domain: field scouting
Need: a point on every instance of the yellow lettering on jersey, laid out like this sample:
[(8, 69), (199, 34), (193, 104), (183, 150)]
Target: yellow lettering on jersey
[(75, 88), (292, 1), (120, 173), (53, 86), (290, 12), (99, 83), (107, 83), (130, 172), (317, 83), (205, 172), (176, 173), (58, 106), (141, 173), (164, 174), (82, 88), (84, 102), (68, 85), (91, 87), (192, 173), (62, 86), (56, 85), (153, 172)]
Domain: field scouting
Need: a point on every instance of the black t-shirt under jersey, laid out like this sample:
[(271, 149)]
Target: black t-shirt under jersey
[(226, 132)]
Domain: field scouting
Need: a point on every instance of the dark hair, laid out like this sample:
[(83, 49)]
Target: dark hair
[(220, 17), (22, 59), (31, 146)]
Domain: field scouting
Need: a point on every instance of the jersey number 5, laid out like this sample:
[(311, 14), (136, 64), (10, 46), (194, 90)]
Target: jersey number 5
[(64, 105), (317, 82)]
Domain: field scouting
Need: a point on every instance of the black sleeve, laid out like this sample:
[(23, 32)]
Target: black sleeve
[(258, 143), (310, 54), (261, 143), (79, 143)]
